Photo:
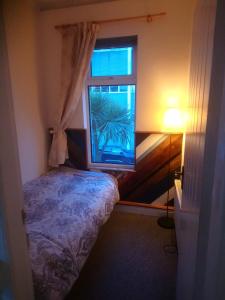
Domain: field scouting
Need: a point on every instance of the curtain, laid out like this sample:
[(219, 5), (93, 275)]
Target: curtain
[(77, 45)]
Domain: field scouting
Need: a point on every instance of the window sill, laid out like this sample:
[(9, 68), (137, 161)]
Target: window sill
[(93, 167)]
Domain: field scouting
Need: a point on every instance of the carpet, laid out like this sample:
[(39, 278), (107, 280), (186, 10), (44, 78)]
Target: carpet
[(129, 261)]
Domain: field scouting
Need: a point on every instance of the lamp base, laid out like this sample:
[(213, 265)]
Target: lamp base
[(166, 222)]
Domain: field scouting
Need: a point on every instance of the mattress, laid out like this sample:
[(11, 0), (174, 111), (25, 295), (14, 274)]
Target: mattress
[(64, 211)]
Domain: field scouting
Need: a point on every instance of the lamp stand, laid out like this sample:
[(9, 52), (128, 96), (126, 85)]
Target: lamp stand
[(166, 221)]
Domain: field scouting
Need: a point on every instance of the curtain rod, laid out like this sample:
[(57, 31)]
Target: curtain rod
[(149, 18)]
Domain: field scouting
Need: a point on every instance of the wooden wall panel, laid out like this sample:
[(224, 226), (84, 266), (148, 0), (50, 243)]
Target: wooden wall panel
[(147, 179), (77, 148), (151, 177)]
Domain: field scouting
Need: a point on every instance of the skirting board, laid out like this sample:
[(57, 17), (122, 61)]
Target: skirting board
[(141, 210)]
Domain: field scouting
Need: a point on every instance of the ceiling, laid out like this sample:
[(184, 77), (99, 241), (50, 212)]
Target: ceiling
[(53, 4)]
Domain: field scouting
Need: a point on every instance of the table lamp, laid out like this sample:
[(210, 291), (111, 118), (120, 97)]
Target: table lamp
[(173, 122)]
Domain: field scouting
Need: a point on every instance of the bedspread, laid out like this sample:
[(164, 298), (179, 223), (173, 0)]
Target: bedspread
[(64, 210)]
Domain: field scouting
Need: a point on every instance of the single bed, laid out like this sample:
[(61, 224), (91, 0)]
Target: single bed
[(64, 211)]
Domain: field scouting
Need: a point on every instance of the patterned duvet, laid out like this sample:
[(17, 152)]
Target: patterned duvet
[(63, 213)]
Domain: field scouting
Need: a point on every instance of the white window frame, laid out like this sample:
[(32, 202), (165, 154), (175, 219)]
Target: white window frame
[(111, 80)]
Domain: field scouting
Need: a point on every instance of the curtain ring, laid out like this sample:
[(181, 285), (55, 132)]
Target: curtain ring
[(149, 18)]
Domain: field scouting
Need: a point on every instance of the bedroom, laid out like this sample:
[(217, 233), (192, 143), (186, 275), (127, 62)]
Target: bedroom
[(33, 45)]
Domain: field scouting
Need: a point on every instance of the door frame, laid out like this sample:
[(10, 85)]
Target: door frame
[(210, 262), (13, 234)]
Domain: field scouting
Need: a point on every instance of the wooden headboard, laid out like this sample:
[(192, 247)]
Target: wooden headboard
[(77, 147)]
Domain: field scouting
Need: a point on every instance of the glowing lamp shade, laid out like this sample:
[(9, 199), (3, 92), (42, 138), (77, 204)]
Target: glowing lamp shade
[(173, 121)]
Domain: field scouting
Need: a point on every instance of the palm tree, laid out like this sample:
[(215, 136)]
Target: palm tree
[(109, 122)]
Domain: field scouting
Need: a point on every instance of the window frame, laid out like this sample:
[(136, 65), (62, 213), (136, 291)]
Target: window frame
[(109, 81)]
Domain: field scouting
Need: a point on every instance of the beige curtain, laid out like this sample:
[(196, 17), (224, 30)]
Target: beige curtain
[(77, 45)]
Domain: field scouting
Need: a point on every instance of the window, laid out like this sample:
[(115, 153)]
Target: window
[(111, 91)]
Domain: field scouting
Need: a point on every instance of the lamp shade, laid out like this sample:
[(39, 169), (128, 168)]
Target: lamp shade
[(173, 121)]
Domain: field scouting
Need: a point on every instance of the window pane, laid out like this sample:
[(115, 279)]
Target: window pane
[(123, 88), (112, 123), (114, 88), (105, 88), (95, 89), (114, 61)]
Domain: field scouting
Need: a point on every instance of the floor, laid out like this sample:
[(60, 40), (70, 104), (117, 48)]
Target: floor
[(133, 259)]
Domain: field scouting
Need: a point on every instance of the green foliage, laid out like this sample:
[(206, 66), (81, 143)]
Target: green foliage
[(109, 120)]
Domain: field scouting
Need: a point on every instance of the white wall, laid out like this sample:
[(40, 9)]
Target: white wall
[(19, 19), (163, 52)]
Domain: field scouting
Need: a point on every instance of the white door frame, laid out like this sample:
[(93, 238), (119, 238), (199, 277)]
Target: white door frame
[(201, 266), (12, 232), (193, 204), (210, 264)]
